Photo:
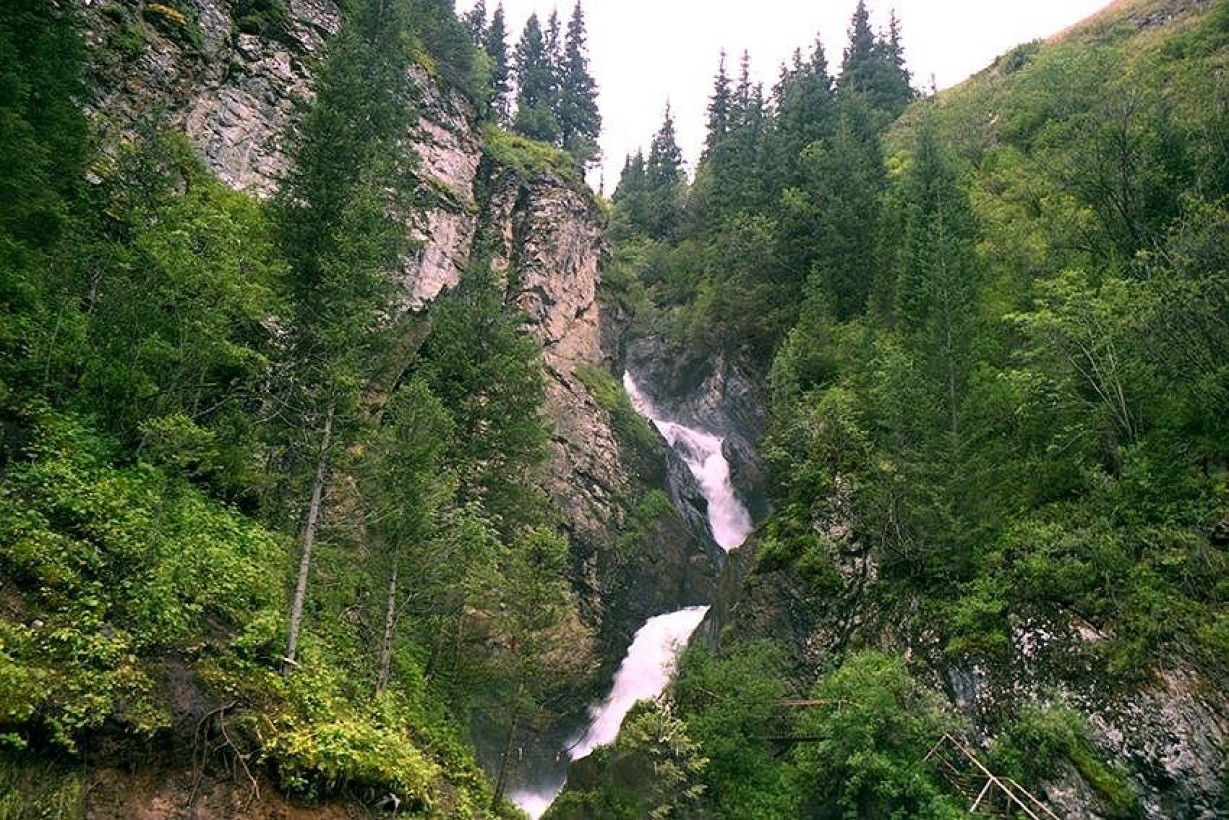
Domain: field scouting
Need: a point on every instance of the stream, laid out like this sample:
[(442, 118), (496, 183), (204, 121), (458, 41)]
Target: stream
[(649, 663)]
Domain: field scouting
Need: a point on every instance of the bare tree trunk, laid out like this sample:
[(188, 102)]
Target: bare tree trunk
[(309, 542), (390, 618)]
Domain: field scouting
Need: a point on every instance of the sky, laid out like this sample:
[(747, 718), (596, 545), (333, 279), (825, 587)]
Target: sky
[(647, 53)]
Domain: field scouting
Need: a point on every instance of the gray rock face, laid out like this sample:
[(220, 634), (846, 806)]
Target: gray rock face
[(548, 237), (238, 98), (448, 147)]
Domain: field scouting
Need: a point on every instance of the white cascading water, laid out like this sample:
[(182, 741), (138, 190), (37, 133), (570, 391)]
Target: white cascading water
[(649, 662), (701, 452)]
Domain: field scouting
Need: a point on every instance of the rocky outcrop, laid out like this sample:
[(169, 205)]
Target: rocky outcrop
[(238, 98), (547, 238), (235, 95)]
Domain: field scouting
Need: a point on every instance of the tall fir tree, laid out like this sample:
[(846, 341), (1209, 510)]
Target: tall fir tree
[(475, 21), (664, 180), (718, 109), (341, 242), (536, 115), (495, 43), (803, 113), (580, 122), (875, 67)]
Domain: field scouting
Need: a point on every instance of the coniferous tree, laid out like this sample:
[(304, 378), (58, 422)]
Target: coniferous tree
[(475, 21), (846, 179), (630, 199), (718, 109), (536, 107), (803, 113), (875, 67), (937, 287), (664, 181), (495, 43), (341, 240), (580, 122)]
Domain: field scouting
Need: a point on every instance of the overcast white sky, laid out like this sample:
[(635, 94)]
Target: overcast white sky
[(644, 53)]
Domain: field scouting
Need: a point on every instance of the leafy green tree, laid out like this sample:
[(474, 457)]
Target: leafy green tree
[(865, 741), (731, 705)]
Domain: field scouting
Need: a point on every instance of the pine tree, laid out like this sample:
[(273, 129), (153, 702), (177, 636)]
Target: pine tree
[(579, 119), (535, 77)]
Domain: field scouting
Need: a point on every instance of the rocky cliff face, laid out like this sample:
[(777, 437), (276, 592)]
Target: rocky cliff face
[(547, 237), (238, 96), (720, 395)]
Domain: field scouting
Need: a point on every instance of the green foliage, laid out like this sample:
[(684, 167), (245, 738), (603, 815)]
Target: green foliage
[(121, 563), (489, 375), (43, 791), (526, 156), (266, 18), (867, 739), (731, 704), (1032, 747)]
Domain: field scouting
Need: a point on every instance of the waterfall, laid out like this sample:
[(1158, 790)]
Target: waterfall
[(701, 452), (649, 663)]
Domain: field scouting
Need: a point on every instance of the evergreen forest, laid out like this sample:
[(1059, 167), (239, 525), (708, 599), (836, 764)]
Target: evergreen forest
[(991, 327)]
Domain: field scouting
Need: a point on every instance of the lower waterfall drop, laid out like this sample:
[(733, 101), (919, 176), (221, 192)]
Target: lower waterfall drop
[(649, 663)]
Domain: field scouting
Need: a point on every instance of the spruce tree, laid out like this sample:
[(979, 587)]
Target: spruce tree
[(875, 67), (630, 200), (495, 43), (718, 109), (664, 181), (535, 76), (341, 242), (475, 21), (579, 120)]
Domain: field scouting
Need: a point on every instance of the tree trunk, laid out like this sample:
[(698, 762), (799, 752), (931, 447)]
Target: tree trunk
[(309, 543), (390, 618)]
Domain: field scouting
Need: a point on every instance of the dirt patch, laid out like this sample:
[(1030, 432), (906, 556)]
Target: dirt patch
[(152, 794)]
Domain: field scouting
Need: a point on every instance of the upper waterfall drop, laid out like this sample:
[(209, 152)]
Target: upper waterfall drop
[(701, 452)]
